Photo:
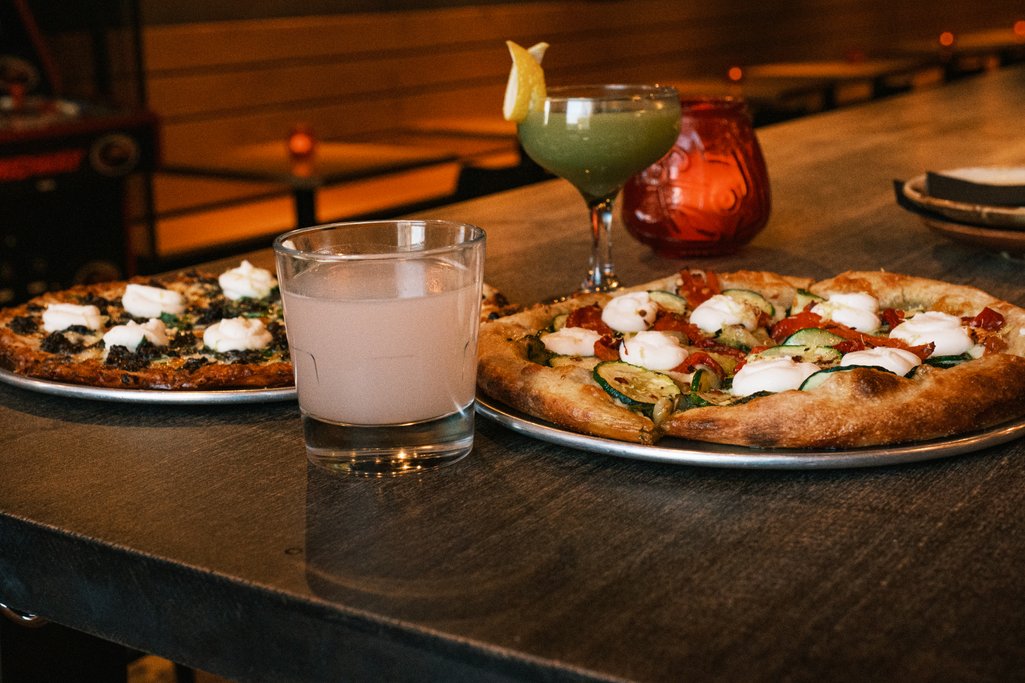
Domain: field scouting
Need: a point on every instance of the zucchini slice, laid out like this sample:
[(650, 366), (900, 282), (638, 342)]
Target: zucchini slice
[(558, 322), (739, 337), (948, 361), (559, 361), (718, 397), (704, 380), (536, 351), (817, 378), (812, 354), (669, 301), (803, 298), (752, 298), (636, 387), (813, 336)]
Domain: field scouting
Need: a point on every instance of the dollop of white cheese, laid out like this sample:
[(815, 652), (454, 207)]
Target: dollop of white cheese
[(131, 334), (571, 341), (237, 334), (771, 374), (143, 301), (246, 281), (714, 313), (631, 312), (856, 309), (942, 329), (58, 317), (652, 350), (898, 361)]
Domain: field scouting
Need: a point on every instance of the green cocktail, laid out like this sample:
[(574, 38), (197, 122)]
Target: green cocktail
[(597, 137)]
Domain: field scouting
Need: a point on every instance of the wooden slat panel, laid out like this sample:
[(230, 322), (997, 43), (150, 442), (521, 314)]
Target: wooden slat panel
[(242, 42)]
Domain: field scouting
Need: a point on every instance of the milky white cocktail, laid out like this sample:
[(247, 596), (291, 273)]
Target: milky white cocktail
[(382, 322), (377, 343)]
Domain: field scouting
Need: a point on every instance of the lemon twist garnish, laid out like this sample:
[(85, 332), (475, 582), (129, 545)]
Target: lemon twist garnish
[(525, 90)]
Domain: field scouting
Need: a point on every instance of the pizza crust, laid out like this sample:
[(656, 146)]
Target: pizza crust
[(868, 407), (564, 395)]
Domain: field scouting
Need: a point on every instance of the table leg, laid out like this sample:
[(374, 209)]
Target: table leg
[(305, 207)]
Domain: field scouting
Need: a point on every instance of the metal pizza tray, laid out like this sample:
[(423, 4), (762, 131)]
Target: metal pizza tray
[(681, 452), (160, 396)]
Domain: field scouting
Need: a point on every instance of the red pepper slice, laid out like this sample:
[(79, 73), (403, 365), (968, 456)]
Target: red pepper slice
[(799, 321), (589, 317), (675, 322), (860, 340), (697, 358), (698, 286), (607, 347), (987, 319), (892, 317)]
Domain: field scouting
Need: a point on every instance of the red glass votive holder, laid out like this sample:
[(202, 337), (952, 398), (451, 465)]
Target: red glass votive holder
[(709, 194)]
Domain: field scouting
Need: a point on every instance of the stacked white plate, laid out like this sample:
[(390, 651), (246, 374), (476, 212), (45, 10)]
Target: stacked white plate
[(999, 227)]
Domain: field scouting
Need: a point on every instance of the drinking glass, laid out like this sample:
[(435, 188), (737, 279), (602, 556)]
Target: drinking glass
[(382, 322), (596, 137), (710, 194)]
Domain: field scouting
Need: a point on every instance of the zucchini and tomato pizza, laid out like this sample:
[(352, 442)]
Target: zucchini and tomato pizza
[(759, 359)]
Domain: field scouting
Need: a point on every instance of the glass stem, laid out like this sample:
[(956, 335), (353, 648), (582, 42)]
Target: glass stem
[(601, 276)]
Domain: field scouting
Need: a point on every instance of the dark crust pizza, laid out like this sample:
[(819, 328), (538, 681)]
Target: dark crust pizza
[(764, 360), (182, 360)]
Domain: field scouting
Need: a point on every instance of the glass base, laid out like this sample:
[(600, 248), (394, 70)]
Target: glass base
[(389, 450)]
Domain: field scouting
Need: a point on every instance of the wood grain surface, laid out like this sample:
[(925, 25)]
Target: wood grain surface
[(202, 535)]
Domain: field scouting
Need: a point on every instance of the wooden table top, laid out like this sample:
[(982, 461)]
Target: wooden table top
[(757, 89), (1003, 38), (200, 533), (983, 41), (838, 69), (332, 162)]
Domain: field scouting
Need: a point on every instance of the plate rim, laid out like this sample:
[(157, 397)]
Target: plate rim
[(154, 396), (1009, 242), (703, 454), (1008, 218)]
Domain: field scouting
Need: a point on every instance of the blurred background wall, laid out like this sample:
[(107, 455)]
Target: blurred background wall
[(221, 74)]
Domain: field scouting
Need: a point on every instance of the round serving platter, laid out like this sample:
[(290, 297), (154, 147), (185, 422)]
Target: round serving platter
[(680, 452), (160, 396), (1007, 217), (1010, 242)]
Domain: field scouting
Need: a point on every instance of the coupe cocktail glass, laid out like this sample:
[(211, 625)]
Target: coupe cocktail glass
[(597, 137)]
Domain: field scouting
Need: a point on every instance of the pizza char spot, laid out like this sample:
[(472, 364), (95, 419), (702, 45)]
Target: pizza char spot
[(23, 324), (57, 343)]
